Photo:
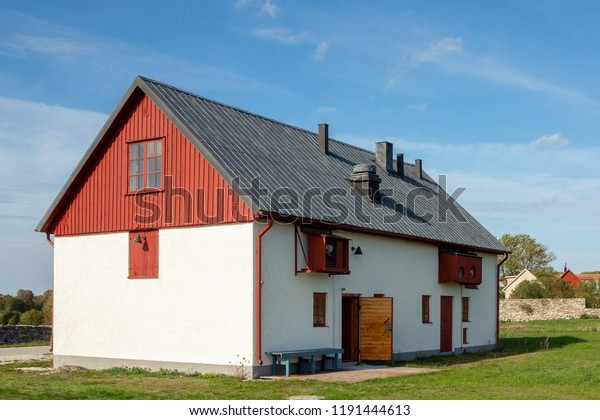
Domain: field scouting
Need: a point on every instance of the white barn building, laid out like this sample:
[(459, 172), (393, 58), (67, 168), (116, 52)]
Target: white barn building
[(196, 236)]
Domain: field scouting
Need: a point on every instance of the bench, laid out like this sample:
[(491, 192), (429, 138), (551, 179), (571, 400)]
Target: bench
[(284, 358)]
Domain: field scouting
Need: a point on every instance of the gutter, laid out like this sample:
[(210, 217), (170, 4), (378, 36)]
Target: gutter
[(258, 287), (498, 299)]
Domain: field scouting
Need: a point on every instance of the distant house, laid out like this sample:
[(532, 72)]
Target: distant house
[(193, 235), (571, 278), (513, 281)]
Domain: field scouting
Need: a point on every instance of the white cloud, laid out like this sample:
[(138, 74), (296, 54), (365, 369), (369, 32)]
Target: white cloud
[(270, 9), (59, 47), (437, 49), (552, 140), (281, 35), (40, 145), (321, 51), (326, 109), (287, 36)]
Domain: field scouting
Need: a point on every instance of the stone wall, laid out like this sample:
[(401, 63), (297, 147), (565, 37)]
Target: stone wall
[(542, 309), (16, 334)]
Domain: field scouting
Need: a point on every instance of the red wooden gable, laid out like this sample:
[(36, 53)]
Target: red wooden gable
[(192, 191), (571, 277)]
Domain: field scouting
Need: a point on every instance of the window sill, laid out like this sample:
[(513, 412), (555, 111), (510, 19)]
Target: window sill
[(145, 191)]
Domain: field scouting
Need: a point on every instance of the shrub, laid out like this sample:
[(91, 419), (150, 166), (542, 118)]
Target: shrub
[(32, 317), (589, 289), (549, 287)]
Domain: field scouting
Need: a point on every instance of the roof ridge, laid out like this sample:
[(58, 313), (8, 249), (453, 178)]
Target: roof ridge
[(253, 114), (224, 105)]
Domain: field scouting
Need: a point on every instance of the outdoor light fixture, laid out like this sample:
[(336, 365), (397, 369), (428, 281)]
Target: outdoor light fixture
[(139, 239), (357, 250)]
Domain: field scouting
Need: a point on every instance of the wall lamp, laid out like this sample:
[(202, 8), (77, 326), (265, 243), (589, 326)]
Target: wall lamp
[(139, 239), (357, 250)]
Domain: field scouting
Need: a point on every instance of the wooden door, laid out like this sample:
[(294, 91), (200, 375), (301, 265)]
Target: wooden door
[(376, 328), (350, 327), (446, 324)]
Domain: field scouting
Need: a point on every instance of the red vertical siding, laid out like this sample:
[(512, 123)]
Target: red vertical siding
[(100, 202)]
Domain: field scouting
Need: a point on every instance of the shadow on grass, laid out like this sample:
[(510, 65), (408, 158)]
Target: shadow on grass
[(508, 347)]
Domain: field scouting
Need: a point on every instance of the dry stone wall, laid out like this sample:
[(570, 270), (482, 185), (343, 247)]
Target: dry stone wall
[(16, 334), (543, 309)]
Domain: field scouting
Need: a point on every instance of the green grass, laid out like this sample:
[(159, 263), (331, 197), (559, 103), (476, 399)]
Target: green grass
[(538, 360), (28, 344)]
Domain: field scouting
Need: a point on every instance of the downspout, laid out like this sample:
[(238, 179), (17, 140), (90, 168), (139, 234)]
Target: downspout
[(498, 299), (49, 240), (52, 333), (258, 292)]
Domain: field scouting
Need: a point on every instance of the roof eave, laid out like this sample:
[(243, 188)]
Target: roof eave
[(352, 228)]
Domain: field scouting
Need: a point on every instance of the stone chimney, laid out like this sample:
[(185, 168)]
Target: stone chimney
[(324, 138), (384, 152), (419, 168), (365, 179)]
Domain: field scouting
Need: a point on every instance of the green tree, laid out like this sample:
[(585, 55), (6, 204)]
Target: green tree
[(27, 298), (31, 317), (526, 252)]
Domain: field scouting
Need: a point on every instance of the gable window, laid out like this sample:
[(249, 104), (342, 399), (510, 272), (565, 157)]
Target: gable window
[(145, 165), (465, 309), (319, 308), (425, 316), (143, 254)]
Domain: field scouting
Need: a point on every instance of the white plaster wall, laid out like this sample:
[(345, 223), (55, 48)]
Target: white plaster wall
[(287, 310), (404, 270), (197, 311)]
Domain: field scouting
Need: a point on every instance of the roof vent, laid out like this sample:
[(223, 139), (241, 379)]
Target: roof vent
[(384, 152), (419, 168), (324, 138), (366, 180)]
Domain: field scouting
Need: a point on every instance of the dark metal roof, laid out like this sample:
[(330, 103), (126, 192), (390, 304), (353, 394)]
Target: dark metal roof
[(297, 180)]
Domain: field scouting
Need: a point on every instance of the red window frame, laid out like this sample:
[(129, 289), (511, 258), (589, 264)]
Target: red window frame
[(465, 309), (319, 309), (143, 255), (145, 165), (425, 309)]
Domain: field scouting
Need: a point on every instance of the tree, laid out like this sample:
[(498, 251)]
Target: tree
[(526, 252), (545, 287)]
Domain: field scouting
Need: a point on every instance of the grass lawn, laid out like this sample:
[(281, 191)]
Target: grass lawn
[(538, 360), (28, 344)]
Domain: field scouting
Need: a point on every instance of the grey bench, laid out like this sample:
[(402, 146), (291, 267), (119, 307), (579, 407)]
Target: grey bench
[(283, 358)]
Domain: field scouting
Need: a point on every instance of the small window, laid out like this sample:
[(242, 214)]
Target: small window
[(425, 316), (319, 308), (465, 309), (143, 254), (331, 252), (465, 338), (145, 165)]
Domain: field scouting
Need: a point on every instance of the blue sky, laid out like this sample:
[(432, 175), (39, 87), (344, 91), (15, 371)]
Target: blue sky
[(502, 97)]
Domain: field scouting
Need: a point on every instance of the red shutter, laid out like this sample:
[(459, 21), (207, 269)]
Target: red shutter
[(143, 257)]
